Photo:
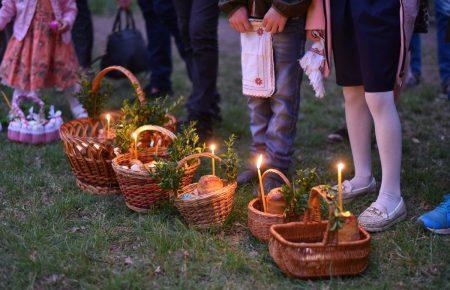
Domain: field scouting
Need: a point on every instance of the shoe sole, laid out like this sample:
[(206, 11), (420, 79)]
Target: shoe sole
[(381, 229), (440, 231)]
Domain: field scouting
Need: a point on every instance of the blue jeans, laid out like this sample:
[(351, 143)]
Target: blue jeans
[(161, 24), (273, 120), (442, 8)]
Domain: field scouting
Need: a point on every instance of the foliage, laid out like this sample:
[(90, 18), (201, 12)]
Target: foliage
[(186, 143), (297, 196), (169, 175), (93, 102), (230, 160), (136, 114), (167, 171)]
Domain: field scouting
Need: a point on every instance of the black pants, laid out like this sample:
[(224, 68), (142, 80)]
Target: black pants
[(198, 21), (161, 24), (83, 34)]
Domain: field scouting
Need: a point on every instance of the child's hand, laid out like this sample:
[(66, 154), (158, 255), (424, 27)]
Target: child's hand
[(63, 26), (239, 20), (274, 21)]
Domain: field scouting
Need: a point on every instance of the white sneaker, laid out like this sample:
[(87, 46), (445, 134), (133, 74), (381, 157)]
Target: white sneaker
[(377, 219), (349, 193), (79, 112)]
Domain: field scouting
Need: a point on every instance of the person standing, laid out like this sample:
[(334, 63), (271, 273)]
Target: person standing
[(442, 10), (198, 23), (161, 24), (83, 34)]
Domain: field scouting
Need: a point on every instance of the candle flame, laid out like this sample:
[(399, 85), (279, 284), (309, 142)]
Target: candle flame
[(213, 148), (259, 162), (108, 117), (340, 166), (134, 136)]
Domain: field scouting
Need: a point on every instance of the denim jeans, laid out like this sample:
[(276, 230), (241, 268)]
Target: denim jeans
[(161, 24), (83, 34), (442, 9), (198, 22), (273, 120)]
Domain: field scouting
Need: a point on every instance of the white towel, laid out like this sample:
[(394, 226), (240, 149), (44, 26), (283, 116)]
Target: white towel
[(258, 74), (313, 63)]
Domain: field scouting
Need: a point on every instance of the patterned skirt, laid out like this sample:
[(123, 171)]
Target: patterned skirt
[(42, 59)]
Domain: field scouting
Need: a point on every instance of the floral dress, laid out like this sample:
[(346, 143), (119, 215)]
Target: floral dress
[(42, 59)]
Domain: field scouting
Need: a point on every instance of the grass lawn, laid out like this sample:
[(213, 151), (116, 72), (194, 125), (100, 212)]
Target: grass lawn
[(53, 235)]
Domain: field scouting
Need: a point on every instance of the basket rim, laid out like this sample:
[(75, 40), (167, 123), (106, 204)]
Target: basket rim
[(226, 188), (252, 208), (118, 169), (274, 234)]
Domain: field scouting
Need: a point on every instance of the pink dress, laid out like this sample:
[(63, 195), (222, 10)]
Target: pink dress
[(42, 59)]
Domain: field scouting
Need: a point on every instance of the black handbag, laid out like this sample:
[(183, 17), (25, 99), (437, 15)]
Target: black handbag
[(126, 47)]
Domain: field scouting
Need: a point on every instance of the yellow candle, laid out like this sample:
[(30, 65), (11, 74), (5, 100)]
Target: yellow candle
[(108, 120), (340, 167), (213, 161), (261, 186), (134, 136)]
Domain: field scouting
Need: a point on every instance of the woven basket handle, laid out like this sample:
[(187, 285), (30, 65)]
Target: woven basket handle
[(196, 156), (137, 86), (312, 214), (277, 172), (154, 128)]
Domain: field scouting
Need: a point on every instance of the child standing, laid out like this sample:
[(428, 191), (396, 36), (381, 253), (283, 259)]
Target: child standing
[(40, 53), (273, 119)]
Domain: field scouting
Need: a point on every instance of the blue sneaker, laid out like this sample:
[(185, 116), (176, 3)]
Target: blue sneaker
[(438, 220)]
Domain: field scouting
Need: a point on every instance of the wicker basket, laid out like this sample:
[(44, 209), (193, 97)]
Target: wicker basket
[(209, 210), (259, 222), (90, 156), (140, 190), (309, 249)]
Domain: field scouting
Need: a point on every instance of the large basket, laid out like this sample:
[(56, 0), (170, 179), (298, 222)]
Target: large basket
[(206, 211), (140, 190), (309, 249), (89, 156), (259, 222)]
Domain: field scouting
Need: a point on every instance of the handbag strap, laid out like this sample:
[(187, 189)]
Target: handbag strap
[(117, 26), (129, 20)]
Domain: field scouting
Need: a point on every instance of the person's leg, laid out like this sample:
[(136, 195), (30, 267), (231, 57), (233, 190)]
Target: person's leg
[(442, 8), (389, 139), (416, 55), (359, 125), (183, 12), (159, 48), (205, 59), (288, 47), (83, 34)]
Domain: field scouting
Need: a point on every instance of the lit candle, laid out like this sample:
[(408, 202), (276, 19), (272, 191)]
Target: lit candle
[(134, 136), (213, 161), (108, 120), (340, 167), (261, 187)]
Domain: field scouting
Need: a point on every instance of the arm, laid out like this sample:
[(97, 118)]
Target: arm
[(291, 8), (315, 19), (69, 13), (7, 13), (237, 14)]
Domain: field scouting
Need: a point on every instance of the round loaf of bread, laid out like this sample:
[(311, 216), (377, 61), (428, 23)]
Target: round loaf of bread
[(209, 183)]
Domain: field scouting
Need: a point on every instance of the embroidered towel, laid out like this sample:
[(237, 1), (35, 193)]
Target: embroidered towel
[(258, 75)]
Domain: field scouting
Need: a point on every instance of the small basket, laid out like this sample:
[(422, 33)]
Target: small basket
[(309, 249), (140, 190), (90, 156), (209, 210), (259, 222)]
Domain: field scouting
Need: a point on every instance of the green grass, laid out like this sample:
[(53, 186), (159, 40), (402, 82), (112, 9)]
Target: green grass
[(52, 235)]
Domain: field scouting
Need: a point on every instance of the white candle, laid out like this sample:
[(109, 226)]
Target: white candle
[(213, 161), (261, 186), (340, 167)]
